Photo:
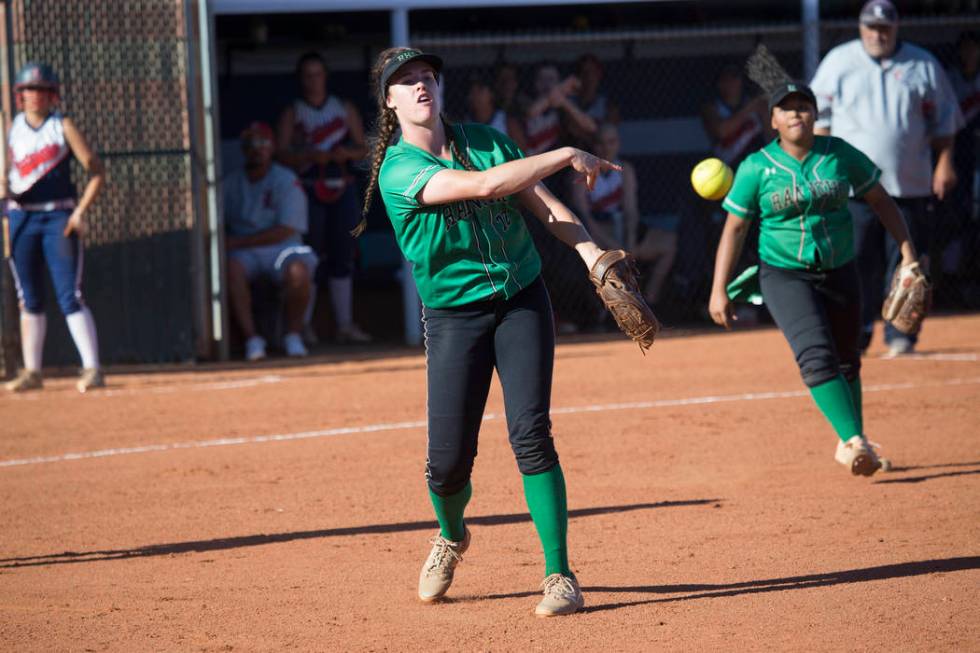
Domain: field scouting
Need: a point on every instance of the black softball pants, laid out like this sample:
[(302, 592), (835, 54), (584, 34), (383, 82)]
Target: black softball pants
[(819, 313), (463, 346)]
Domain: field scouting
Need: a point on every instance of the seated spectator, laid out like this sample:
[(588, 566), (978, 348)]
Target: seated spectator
[(541, 127), (960, 214), (506, 82), (736, 125), (480, 106), (734, 122), (590, 99), (610, 211), (265, 219)]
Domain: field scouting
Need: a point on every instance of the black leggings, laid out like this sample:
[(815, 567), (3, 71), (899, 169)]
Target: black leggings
[(819, 313), (463, 345)]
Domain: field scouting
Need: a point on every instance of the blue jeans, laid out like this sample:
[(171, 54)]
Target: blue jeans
[(876, 252), (38, 239)]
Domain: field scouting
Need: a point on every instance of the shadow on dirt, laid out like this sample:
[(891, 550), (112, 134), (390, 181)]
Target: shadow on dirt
[(927, 477), (696, 591), (221, 544)]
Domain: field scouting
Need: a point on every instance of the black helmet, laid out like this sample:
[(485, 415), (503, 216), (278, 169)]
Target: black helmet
[(39, 75)]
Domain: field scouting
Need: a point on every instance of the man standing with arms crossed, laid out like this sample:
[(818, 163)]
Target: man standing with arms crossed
[(893, 101)]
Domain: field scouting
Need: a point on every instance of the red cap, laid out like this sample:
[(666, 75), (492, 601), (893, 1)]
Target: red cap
[(259, 131)]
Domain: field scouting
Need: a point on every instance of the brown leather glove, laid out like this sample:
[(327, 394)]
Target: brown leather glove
[(614, 275), (908, 300)]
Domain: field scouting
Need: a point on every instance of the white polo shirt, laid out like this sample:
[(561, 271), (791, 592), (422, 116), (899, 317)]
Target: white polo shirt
[(891, 110)]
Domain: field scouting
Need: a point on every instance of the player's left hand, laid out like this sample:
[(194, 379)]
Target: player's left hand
[(76, 223), (721, 309), (943, 181)]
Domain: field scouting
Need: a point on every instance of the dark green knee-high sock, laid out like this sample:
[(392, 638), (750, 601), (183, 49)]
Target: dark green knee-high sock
[(449, 512), (833, 398), (545, 494), (855, 386)]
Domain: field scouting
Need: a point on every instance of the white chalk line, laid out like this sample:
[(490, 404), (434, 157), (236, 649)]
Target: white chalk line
[(173, 387), (960, 358), (401, 426)]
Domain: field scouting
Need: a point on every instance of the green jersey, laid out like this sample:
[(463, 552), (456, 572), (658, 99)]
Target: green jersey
[(463, 251), (802, 205)]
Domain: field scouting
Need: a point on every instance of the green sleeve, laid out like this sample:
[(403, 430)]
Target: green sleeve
[(403, 176), (743, 198), (862, 173)]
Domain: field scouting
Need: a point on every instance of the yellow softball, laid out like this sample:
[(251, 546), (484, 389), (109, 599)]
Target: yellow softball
[(712, 179)]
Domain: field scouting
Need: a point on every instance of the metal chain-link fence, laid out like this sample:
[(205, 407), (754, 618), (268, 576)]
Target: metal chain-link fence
[(123, 67), (661, 90)]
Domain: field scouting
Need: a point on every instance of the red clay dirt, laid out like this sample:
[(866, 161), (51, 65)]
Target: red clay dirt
[(282, 507)]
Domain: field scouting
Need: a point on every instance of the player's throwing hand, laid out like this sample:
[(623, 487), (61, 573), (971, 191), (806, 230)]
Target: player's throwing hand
[(590, 166)]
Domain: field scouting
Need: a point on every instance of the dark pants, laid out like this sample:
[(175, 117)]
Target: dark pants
[(877, 255), (38, 241), (463, 346), (329, 234), (819, 314)]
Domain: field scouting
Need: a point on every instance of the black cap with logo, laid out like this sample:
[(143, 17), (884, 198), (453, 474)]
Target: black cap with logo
[(786, 89), (402, 58)]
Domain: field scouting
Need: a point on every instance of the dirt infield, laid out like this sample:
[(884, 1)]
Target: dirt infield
[(284, 508)]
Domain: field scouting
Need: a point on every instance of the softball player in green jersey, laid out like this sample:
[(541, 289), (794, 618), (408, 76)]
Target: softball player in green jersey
[(453, 194), (798, 187)]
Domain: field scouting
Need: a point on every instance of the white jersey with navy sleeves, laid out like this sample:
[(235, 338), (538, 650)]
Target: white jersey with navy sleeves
[(276, 199), (39, 170), (891, 110)]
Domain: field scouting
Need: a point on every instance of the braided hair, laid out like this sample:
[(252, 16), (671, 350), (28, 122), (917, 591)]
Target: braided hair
[(383, 131), (380, 136)]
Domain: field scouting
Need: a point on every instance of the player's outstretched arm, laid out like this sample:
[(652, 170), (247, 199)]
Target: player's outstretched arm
[(561, 222), (891, 218), (512, 177), (729, 249)]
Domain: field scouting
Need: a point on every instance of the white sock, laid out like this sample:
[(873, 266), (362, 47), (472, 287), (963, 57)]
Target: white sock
[(341, 296), (310, 305), (33, 326), (81, 324)]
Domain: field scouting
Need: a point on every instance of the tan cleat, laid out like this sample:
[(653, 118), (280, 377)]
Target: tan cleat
[(26, 380), (437, 572), (91, 377), (562, 596), (858, 454)]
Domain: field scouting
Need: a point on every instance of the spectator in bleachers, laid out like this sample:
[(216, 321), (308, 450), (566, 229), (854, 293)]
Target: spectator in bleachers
[(542, 128), (734, 122), (506, 93), (590, 98), (480, 106), (610, 211), (962, 211), (265, 219), (320, 137)]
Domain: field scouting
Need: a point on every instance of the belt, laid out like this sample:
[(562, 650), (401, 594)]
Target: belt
[(54, 205)]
